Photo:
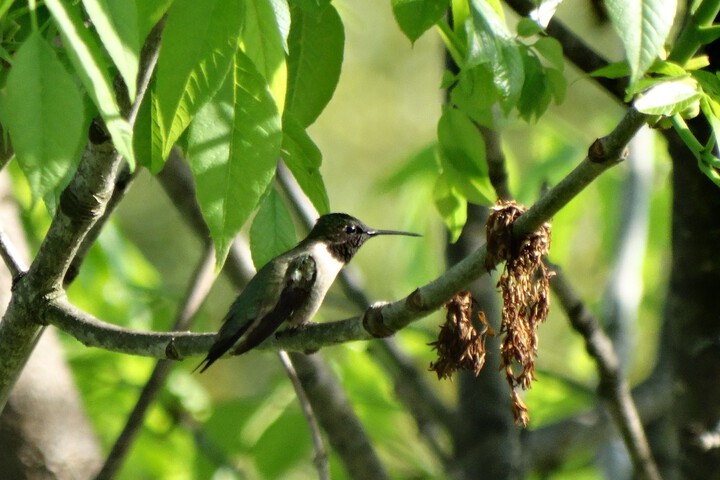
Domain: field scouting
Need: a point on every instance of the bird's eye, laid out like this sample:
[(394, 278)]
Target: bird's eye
[(351, 229)]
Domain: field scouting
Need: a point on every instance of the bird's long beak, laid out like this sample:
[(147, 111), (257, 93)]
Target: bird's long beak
[(374, 233)]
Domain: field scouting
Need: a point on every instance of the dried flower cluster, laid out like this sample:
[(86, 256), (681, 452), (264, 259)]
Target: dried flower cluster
[(459, 344), (525, 284)]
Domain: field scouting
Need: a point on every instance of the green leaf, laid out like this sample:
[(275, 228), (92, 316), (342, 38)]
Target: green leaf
[(316, 51), (116, 23), (668, 98), (272, 231), (189, 72), (643, 27), (527, 27), (709, 82), (475, 93), (552, 51), (87, 58), (462, 157), (147, 137), (263, 42), (535, 97), (44, 113), (451, 206), (233, 148), (416, 16), (557, 84), (303, 158), (493, 43), (612, 70)]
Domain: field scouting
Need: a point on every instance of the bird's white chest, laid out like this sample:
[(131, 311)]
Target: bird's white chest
[(328, 268)]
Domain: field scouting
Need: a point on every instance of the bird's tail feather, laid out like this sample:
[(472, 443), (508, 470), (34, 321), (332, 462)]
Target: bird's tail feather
[(219, 348)]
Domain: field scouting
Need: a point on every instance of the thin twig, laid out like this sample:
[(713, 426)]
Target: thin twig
[(200, 283), (9, 254), (321, 457), (337, 417), (612, 388)]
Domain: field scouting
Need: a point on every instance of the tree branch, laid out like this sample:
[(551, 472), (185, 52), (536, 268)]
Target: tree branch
[(612, 388), (16, 266), (321, 457), (588, 430), (378, 321), (333, 410)]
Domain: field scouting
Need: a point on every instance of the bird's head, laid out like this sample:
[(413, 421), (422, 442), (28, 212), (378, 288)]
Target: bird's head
[(345, 234)]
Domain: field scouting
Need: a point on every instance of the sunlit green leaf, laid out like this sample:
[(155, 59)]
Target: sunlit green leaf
[(116, 23), (475, 93), (709, 82), (316, 45), (147, 137), (612, 70), (462, 157), (190, 72), (451, 206), (44, 113), (303, 158), (551, 50), (492, 42), (643, 27), (272, 231), (263, 42), (416, 16), (233, 148), (527, 27), (557, 84), (87, 58), (535, 96), (668, 98)]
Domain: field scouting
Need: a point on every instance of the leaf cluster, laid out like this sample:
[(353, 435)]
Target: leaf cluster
[(236, 86)]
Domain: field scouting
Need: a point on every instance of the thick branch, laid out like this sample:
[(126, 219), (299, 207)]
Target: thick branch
[(377, 321)]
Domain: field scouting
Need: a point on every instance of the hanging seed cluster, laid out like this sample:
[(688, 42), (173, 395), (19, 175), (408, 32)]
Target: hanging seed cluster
[(525, 285), (460, 345)]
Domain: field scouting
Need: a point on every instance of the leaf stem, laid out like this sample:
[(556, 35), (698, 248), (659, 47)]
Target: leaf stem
[(692, 35)]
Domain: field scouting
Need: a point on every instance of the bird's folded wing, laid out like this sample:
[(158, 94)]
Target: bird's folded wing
[(299, 280)]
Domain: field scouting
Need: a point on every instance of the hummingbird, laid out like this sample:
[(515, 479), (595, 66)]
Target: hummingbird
[(291, 287)]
